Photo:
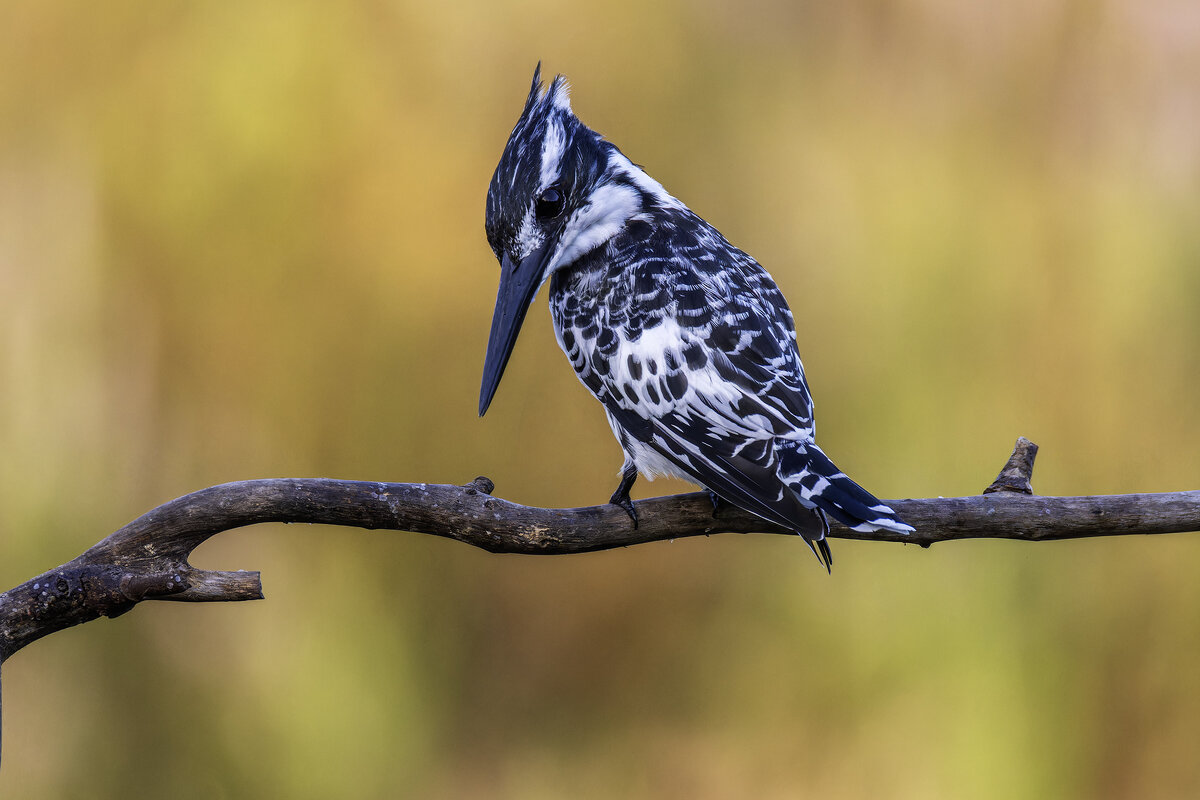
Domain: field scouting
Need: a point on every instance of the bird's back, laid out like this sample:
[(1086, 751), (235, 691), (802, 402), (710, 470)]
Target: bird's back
[(691, 347), (669, 304)]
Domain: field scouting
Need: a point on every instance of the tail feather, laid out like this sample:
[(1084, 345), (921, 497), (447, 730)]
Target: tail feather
[(825, 555), (820, 484)]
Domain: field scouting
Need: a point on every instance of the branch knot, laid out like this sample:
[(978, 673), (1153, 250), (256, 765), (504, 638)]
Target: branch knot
[(1017, 475)]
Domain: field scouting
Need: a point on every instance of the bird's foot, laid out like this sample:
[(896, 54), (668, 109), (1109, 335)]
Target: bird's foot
[(717, 502), (627, 505), (621, 495)]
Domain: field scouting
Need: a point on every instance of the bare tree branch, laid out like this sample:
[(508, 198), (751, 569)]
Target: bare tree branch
[(148, 558)]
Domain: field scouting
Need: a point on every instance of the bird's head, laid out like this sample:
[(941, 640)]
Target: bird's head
[(559, 192)]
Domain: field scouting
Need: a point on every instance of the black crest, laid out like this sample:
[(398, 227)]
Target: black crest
[(519, 174)]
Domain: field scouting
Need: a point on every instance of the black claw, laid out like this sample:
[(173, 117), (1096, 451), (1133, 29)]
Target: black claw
[(717, 502), (627, 504), (621, 495)]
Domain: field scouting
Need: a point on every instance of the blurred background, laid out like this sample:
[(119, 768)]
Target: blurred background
[(245, 240)]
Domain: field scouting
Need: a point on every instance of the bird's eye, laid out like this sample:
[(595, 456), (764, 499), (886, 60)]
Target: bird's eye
[(550, 203)]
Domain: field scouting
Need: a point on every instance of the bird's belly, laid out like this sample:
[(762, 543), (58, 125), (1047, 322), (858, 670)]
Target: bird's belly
[(649, 462)]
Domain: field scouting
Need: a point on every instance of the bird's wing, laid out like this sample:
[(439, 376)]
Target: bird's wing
[(728, 335), (711, 387)]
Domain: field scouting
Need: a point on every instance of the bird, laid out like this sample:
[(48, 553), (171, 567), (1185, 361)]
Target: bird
[(684, 339)]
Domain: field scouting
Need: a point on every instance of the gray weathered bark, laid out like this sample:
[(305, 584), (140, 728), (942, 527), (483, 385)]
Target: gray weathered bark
[(148, 558)]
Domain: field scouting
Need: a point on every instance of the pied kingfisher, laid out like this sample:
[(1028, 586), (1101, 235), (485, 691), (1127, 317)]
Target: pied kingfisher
[(685, 340)]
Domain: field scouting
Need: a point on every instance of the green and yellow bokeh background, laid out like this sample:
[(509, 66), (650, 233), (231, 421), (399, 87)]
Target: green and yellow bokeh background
[(244, 240)]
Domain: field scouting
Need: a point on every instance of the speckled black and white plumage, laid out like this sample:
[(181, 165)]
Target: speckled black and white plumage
[(685, 339)]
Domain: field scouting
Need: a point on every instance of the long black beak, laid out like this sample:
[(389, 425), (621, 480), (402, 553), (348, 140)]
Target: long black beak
[(518, 285)]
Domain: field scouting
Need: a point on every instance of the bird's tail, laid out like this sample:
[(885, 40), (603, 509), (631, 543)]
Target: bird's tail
[(819, 484)]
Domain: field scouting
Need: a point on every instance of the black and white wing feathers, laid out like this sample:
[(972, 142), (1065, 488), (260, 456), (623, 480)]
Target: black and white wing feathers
[(691, 348)]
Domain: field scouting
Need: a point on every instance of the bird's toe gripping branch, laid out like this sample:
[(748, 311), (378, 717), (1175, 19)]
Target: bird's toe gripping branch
[(717, 502), (621, 496)]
